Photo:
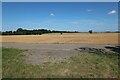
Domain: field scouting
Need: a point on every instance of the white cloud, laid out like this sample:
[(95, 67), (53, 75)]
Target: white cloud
[(89, 10), (112, 12), (51, 14)]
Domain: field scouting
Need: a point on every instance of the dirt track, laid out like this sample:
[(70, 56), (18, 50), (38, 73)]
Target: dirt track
[(40, 53)]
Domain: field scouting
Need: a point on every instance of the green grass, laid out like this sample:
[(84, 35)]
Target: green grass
[(0, 63), (81, 66)]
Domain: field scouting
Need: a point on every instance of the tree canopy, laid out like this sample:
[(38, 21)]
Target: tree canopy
[(21, 31)]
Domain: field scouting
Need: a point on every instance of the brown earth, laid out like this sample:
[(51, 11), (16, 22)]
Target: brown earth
[(95, 38)]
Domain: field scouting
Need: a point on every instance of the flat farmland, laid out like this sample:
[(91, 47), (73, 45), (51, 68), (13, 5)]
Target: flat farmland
[(95, 38), (90, 55)]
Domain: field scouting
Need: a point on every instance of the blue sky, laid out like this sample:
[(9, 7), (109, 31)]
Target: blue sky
[(77, 16)]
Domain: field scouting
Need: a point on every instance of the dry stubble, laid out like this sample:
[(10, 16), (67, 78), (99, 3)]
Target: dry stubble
[(95, 38)]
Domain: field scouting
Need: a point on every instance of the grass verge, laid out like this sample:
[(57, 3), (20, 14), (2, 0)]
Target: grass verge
[(80, 66)]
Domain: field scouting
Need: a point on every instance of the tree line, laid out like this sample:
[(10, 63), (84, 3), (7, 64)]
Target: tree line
[(21, 31)]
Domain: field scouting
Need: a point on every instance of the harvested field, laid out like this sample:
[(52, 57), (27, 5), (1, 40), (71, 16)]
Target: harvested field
[(95, 38)]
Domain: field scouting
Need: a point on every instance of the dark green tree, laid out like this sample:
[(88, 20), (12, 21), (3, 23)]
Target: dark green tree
[(90, 31)]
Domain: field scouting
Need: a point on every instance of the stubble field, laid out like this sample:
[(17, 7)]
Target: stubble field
[(95, 38)]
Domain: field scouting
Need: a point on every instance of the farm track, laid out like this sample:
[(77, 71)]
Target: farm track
[(37, 53)]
